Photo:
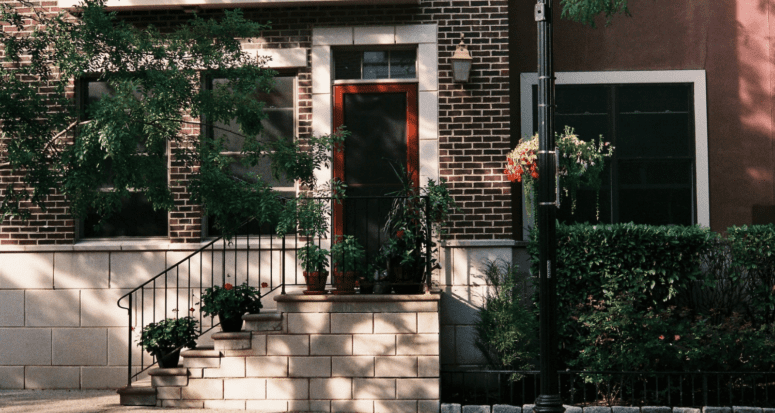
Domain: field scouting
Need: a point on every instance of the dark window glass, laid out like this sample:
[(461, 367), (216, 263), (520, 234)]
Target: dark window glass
[(280, 123), (650, 179), (136, 216), (403, 64), (375, 64)]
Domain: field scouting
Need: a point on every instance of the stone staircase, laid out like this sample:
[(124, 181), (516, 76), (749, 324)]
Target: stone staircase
[(370, 353)]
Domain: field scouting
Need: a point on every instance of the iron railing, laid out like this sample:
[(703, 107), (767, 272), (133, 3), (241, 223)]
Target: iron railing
[(613, 388), (258, 258)]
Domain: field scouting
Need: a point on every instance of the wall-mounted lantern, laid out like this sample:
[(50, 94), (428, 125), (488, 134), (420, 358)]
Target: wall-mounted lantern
[(461, 62)]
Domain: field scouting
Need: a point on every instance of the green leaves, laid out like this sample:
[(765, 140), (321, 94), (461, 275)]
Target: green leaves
[(585, 11), (169, 334), (153, 80), (507, 331), (231, 301)]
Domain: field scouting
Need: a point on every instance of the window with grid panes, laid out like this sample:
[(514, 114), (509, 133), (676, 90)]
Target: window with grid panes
[(650, 178), (280, 123), (136, 216)]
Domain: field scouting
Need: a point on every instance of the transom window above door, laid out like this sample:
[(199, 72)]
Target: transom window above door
[(375, 64)]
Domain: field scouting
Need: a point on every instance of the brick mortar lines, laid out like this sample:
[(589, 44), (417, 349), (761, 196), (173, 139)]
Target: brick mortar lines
[(473, 118)]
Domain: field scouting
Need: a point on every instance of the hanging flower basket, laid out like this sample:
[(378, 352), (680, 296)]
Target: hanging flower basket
[(581, 165)]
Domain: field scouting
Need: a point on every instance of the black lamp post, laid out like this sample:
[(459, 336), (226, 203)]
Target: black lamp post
[(549, 400)]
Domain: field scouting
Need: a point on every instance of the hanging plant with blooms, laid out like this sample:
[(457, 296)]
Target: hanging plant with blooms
[(581, 164)]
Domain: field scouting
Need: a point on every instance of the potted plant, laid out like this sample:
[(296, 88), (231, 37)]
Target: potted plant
[(347, 255), (417, 215), (314, 262), (165, 339), (230, 303)]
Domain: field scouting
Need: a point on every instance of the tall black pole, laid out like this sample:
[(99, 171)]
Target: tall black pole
[(549, 400)]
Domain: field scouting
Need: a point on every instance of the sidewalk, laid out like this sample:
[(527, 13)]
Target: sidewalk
[(77, 401)]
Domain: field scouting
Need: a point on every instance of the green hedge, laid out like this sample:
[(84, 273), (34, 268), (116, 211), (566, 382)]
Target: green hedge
[(638, 297)]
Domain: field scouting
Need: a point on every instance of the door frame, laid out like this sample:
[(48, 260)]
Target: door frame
[(412, 132)]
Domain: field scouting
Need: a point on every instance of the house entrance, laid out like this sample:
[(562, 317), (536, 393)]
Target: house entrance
[(382, 119)]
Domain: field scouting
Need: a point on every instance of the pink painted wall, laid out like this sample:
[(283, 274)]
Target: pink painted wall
[(732, 40)]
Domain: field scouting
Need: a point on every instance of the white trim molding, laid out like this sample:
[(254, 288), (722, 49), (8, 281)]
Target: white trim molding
[(424, 36), (695, 77)]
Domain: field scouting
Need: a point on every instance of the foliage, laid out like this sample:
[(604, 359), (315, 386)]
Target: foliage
[(313, 258), (407, 226), (169, 334), (753, 259), (581, 164), (155, 80), (231, 301), (347, 253), (636, 297), (127, 135), (507, 331), (585, 11)]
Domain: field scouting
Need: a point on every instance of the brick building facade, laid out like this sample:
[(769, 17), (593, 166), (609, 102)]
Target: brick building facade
[(59, 282)]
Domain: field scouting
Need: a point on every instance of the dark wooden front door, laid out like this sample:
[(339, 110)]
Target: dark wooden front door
[(382, 119)]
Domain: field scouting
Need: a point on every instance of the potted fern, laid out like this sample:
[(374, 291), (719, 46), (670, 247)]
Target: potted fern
[(347, 255)]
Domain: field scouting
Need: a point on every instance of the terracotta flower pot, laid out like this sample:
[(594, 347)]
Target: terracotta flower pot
[(316, 282), (345, 282)]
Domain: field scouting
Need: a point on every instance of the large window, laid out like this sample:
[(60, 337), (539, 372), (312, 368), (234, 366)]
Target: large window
[(658, 174), (136, 216), (280, 123)]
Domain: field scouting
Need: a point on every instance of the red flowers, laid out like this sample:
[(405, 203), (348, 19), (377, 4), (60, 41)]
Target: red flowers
[(227, 286), (264, 285), (400, 234)]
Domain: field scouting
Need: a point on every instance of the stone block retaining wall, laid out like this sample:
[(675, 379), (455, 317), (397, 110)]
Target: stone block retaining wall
[(318, 353)]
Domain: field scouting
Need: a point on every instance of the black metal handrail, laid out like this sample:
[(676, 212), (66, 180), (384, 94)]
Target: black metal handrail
[(613, 388), (365, 211)]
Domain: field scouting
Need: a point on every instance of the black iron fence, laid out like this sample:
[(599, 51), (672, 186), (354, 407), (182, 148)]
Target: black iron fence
[(256, 256), (608, 388)]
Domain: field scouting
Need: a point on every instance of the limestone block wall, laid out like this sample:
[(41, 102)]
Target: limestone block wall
[(370, 353), (60, 327), (464, 288)]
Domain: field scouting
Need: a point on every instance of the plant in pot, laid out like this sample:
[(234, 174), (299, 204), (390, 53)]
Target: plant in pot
[(230, 303), (416, 217), (314, 262), (165, 339), (347, 255)]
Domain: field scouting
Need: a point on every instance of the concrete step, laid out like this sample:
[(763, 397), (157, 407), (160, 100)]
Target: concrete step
[(140, 393), (201, 358), (177, 377), (232, 341), (265, 322)]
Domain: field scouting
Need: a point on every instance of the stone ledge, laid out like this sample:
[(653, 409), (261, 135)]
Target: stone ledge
[(434, 295), (242, 335), (198, 353), (137, 396), (178, 371)]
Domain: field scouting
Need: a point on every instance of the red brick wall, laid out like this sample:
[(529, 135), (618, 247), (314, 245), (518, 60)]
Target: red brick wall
[(473, 117)]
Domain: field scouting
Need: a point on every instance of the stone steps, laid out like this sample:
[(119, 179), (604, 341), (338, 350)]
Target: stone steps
[(329, 354)]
